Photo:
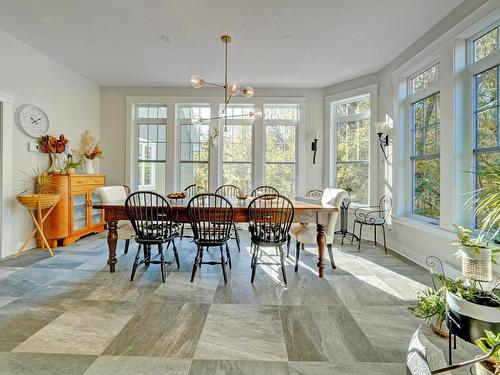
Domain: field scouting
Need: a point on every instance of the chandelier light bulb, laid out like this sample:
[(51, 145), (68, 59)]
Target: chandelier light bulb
[(248, 91), (196, 120), (234, 89), (196, 81), (256, 114)]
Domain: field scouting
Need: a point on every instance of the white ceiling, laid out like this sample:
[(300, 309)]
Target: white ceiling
[(117, 42)]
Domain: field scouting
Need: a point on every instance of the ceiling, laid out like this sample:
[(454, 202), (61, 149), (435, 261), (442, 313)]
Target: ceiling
[(276, 43)]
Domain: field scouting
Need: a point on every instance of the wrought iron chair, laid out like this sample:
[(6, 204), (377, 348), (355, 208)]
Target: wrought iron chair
[(109, 194), (423, 356), (271, 217), (263, 189), (191, 191), (151, 218), (211, 217), (231, 191), (314, 194), (375, 216), (306, 234)]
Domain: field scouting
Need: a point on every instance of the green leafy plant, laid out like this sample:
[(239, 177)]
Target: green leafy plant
[(470, 292), (38, 183), (487, 343), (474, 244), (70, 163), (430, 303)]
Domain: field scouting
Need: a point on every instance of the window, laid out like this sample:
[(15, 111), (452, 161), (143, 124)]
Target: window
[(425, 79), (194, 147), (425, 132), (237, 147), (351, 125), (280, 124), (485, 45), (485, 110), (152, 147)]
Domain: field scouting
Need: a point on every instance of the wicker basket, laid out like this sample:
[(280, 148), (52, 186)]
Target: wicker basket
[(477, 266), (32, 201)]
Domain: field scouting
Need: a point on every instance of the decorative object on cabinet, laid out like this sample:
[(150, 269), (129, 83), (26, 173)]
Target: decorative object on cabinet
[(32, 120), (90, 150), (73, 217), (39, 196), (56, 148)]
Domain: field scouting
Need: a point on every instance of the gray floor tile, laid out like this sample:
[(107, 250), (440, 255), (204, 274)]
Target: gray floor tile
[(106, 365), (178, 288), (225, 367), (43, 364), (321, 368)]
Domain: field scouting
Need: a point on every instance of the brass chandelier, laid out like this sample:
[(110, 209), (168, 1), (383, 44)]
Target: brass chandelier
[(230, 90)]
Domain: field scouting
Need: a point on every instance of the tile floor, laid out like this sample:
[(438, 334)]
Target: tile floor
[(68, 315)]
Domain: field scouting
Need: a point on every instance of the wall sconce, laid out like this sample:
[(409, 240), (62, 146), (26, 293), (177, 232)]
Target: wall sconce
[(382, 129), (314, 147)]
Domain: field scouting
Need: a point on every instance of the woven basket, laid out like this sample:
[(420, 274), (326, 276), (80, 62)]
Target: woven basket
[(32, 200), (477, 266)]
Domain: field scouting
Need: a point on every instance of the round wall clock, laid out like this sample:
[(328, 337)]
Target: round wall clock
[(32, 120)]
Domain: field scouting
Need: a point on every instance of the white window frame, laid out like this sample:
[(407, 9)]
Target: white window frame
[(330, 142), (411, 99), (215, 165)]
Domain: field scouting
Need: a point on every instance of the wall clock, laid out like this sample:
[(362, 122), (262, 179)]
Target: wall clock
[(32, 120)]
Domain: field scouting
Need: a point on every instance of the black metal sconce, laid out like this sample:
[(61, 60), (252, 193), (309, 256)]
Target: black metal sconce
[(314, 148), (382, 129)]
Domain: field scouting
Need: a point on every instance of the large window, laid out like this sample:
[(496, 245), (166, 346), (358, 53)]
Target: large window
[(280, 124), (485, 108), (152, 147), (352, 120), (194, 147), (237, 147), (424, 156)]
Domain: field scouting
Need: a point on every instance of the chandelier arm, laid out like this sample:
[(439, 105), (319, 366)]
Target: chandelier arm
[(228, 99), (213, 84)]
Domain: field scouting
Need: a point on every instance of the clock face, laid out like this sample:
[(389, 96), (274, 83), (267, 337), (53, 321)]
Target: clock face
[(33, 121)]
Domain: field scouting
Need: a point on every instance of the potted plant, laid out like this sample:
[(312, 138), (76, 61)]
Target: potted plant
[(71, 166), (56, 148), (90, 150), (40, 192), (487, 343), (431, 307)]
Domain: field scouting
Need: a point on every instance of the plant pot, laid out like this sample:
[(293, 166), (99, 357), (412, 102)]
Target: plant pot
[(58, 162), (476, 265), (89, 166), (71, 171), (438, 326), (32, 201), (472, 318), (484, 368)]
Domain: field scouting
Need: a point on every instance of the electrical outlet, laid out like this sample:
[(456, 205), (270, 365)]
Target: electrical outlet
[(33, 147)]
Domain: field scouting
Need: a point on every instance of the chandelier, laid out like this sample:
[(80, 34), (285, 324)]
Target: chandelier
[(230, 90)]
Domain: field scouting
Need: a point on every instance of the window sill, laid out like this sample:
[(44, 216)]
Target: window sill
[(423, 226)]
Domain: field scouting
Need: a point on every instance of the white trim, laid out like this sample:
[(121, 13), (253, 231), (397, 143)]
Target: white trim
[(6, 172)]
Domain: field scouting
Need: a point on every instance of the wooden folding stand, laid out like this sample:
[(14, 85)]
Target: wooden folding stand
[(35, 204)]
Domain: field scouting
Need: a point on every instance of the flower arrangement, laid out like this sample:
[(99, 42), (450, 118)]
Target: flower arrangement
[(90, 149), (52, 145)]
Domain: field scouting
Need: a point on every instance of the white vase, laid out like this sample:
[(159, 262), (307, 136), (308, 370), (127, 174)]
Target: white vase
[(89, 166), (58, 162)]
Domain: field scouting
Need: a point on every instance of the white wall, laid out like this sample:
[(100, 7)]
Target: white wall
[(70, 101), (113, 126)]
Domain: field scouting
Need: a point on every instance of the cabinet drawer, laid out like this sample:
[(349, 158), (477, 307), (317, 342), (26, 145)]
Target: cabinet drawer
[(87, 180)]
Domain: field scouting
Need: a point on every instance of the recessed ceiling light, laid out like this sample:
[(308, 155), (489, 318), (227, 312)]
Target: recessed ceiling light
[(287, 38), (165, 38)]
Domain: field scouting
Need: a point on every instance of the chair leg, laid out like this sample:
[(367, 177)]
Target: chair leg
[(223, 264), (228, 255), (360, 231), (375, 234), (385, 245), (330, 253), (353, 231), (254, 263), (176, 255), (127, 244), (289, 238), (182, 231), (147, 255), (237, 235), (297, 254), (136, 262), (302, 247), (162, 262), (196, 260), (282, 260)]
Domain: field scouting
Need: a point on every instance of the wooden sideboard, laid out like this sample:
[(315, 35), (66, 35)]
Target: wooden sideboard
[(73, 217)]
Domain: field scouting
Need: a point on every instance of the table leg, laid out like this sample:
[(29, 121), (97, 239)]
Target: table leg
[(112, 240), (321, 240)]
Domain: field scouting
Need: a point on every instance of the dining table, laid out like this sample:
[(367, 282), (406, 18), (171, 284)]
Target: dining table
[(306, 211)]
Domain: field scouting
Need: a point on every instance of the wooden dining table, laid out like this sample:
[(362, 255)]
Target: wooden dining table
[(305, 210)]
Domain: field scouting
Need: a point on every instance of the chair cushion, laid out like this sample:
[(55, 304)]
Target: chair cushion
[(306, 234), (112, 193), (371, 220)]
